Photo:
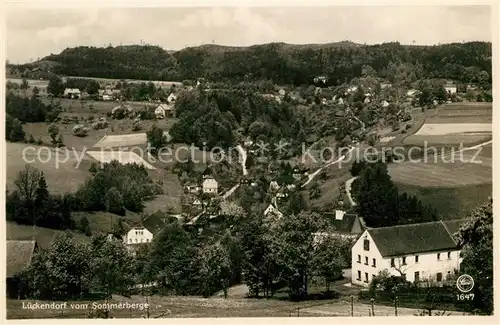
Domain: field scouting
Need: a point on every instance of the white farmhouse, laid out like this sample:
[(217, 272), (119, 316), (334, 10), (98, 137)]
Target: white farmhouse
[(281, 92), (210, 185), (138, 235), (425, 251)]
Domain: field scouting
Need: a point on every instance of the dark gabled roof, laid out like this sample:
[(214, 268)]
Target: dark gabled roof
[(413, 238), (19, 254), (154, 222), (342, 226), (453, 225)]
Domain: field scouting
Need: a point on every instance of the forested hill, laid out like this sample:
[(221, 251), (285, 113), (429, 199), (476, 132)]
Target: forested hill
[(282, 63)]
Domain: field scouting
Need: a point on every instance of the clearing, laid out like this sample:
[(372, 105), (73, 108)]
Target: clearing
[(63, 169), (123, 157), (43, 236)]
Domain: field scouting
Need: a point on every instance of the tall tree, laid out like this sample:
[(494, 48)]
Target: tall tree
[(112, 266), (55, 87), (476, 240), (294, 247)]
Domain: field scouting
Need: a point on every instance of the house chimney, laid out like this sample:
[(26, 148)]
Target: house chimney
[(339, 214)]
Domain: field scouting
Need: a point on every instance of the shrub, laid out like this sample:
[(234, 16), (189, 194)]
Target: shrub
[(80, 131)]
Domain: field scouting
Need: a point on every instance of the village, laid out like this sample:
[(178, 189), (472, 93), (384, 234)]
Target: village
[(298, 191)]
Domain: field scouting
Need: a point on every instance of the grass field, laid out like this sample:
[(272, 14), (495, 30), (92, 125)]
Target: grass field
[(194, 307), (451, 202), (123, 157), (61, 169), (452, 124), (43, 236)]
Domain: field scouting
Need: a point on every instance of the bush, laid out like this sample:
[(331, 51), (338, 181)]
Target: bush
[(80, 131)]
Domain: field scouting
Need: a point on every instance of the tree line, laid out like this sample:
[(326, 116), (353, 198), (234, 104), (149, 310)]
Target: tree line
[(113, 187), (379, 202), (266, 255), (279, 62)]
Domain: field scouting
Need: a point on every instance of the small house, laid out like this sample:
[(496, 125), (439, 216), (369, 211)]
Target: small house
[(273, 210), (138, 235), (172, 98), (160, 112), (450, 87), (210, 185), (273, 186), (73, 93), (281, 92), (385, 103)]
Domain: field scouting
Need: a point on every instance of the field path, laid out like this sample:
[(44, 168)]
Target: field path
[(311, 176), (348, 186)]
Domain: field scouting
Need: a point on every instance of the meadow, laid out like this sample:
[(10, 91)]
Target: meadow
[(455, 124)]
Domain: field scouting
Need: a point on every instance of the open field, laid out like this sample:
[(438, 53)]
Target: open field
[(61, 168), (43, 236), (454, 128), (194, 307), (453, 124), (451, 202), (102, 222), (31, 82), (123, 157), (158, 83)]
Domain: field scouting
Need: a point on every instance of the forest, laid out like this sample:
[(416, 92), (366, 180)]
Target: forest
[(279, 62)]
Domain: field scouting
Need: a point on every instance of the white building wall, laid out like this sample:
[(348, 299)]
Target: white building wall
[(428, 264), (451, 90), (138, 236), (366, 270)]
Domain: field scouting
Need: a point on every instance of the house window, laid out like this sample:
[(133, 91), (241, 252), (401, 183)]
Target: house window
[(392, 262), (136, 240), (417, 276), (359, 275), (439, 256), (147, 240), (416, 258), (366, 245), (366, 277), (366, 260), (404, 260), (449, 255), (374, 263), (359, 258), (130, 240), (439, 277)]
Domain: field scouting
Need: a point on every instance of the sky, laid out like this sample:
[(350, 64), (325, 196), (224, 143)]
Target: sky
[(35, 33)]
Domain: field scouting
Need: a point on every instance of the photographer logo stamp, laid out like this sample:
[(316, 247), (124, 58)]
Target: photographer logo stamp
[(465, 283)]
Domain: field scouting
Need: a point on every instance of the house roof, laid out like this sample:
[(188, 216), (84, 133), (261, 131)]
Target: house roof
[(414, 238), (19, 255), (165, 107), (343, 226), (154, 222)]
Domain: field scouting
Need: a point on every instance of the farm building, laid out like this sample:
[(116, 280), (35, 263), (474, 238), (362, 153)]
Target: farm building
[(73, 93), (416, 251), (450, 87), (210, 185), (385, 103), (281, 92), (19, 255)]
